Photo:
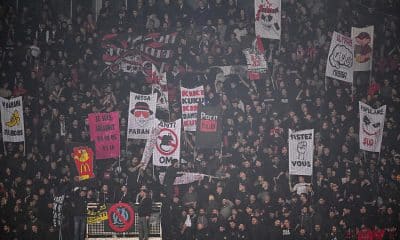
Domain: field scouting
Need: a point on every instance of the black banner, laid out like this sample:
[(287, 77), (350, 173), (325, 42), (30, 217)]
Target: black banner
[(209, 127)]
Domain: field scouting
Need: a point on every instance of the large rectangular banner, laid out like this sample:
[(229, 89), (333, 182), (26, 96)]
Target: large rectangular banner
[(340, 58), (301, 149), (142, 112), (168, 143), (363, 47), (268, 18), (190, 98), (104, 131), (372, 122), (209, 127), (12, 120)]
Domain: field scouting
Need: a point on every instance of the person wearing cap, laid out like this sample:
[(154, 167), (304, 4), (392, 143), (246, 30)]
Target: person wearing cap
[(144, 212)]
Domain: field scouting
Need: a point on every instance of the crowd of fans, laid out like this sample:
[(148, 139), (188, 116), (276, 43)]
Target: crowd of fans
[(54, 62)]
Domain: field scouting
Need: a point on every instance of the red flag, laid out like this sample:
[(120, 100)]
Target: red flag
[(83, 157)]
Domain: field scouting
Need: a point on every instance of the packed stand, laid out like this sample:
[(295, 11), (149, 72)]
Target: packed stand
[(55, 63)]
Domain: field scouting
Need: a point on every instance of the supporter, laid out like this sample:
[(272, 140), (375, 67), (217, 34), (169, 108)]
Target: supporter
[(55, 62)]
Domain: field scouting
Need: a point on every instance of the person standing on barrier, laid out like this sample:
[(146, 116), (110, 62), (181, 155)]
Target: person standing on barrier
[(144, 212), (79, 203)]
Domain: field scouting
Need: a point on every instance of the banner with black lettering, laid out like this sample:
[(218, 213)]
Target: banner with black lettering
[(301, 150), (268, 18), (190, 98), (12, 119), (58, 203), (141, 115), (340, 58), (363, 47), (372, 122), (209, 127), (168, 143)]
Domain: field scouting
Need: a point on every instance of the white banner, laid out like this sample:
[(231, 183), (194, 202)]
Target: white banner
[(372, 122), (255, 61), (363, 47), (301, 151), (190, 98), (142, 112), (268, 18), (340, 58), (161, 90), (185, 178), (149, 147), (168, 143), (12, 119)]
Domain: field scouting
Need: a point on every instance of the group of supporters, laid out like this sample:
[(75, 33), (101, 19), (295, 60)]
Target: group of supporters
[(55, 62)]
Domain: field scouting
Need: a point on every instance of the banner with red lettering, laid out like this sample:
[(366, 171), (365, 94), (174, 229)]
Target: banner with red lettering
[(190, 98), (209, 127), (142, 112), (301, 152), (168, 143), (268, 18), (340, 58), (372, 122), (104, 131)]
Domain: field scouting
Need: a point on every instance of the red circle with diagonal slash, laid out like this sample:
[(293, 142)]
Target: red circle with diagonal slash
[(127, 223), (175, 146)]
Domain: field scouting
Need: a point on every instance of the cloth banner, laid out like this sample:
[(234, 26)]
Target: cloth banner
[(83, 157), (12, 119), (268, 18), (58, 203), (168, 143), (184, 178), (340, 58), (97, 215), (363, 47), (372, 122), (190, 98), (161, 89), (301, 151), (122, 52), (255, 61), (104, 131), (209, 127), (142, 112), (149, 147)]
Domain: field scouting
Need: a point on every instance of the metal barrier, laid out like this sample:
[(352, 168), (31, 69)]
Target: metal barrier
[(99, 230)]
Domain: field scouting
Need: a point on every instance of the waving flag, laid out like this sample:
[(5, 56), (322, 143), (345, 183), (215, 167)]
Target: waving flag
[(12, 120), (371, 127), (268, 18)]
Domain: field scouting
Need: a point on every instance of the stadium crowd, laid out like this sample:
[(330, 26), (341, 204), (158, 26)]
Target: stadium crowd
[(55, 63)]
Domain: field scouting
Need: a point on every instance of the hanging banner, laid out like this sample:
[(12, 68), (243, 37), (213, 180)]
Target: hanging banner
[(58, 203), (372, 122), (97, 215), (142, 112), (12, 120), (255, 61), (168, 143), (340, 58), (149, 147), (363, 47), (268, 18), (209, 127), (161, 89), (83, 157), (183, 177), (104, 131), (301, 149), (190, 98)]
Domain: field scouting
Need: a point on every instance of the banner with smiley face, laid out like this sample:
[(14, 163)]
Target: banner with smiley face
[(142, 112), (372, 122)]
